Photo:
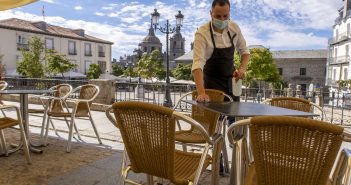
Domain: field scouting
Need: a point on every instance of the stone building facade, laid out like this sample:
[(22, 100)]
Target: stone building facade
[(80, 48), (339, 48), (302, 67)]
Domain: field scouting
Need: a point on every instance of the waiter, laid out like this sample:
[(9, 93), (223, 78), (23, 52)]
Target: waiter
[(214, 46)]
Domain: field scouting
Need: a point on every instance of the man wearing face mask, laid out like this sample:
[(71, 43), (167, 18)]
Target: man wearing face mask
[(214, 46)]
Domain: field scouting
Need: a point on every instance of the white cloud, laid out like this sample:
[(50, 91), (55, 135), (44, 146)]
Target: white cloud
[(48, 1), (78, 8), (99, 14)]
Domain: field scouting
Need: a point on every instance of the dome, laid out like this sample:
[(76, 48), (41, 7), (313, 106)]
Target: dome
[(177, 35), (151, 37)]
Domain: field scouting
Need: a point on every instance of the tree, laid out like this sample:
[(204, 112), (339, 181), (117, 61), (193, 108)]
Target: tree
[(94, 71), (117, 70), (151, 65), (182, 72), (32, 63), (131, 72), (261, 67), (58, 63)]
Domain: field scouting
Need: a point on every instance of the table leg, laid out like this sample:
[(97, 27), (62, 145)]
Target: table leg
[(25, 118)]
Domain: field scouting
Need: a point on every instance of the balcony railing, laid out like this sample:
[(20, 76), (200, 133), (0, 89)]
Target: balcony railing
[(339, 59), (21, 46), (89, 54), (72, 52), (341, 37), (101, 54)]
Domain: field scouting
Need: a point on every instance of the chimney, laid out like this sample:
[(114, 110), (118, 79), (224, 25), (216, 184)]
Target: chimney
[(79, 32), (41, 25)]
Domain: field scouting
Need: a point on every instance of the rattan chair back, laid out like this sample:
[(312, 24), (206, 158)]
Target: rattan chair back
[(87, 92), (62, 90), (292, 150), (292, 103), (208, 119), (148, 134)]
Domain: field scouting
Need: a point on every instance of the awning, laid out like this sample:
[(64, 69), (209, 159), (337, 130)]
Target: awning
[(9, 4)]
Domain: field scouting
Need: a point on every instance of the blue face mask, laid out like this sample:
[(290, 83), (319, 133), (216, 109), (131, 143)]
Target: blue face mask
[(220, 24)]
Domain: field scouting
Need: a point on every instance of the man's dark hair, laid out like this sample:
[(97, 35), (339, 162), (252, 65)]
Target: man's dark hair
[(220, 2)]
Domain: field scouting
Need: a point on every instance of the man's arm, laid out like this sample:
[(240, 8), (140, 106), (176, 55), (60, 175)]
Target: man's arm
[(240, 73), (198, 77)]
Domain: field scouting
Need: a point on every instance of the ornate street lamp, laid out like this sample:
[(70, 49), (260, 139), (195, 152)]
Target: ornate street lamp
[(167, 30)]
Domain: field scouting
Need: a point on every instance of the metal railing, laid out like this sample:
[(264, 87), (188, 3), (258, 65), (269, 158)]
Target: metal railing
[(337, 105)]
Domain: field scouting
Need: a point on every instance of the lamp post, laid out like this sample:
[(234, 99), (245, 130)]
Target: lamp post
[(167, 30)]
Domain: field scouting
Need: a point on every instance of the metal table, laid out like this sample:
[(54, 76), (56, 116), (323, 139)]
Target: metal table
[(24, 110), (244, 109)]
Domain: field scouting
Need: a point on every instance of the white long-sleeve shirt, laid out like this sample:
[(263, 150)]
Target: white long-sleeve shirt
[(203, 46)]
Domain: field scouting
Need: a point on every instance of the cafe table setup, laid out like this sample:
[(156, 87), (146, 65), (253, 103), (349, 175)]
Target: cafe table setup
[(23, 94), (241, 110)]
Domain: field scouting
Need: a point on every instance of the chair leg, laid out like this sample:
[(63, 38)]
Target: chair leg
[(3, 143), (70, 135), (45, 142), (94, 127), (75, 128), (216, 151), (224, 151), (150, 180), (43, 128), (25, 143)]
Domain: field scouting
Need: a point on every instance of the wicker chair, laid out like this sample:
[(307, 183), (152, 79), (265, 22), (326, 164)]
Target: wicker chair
[(148, 133), (62, 91), (295, 104), (291, 150), (6, 122), (81, 109), (208, 119)]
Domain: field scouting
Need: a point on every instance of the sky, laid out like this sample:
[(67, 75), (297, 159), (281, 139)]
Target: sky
[(276, 24)]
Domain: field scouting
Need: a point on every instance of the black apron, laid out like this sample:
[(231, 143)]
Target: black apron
[(219, 68)]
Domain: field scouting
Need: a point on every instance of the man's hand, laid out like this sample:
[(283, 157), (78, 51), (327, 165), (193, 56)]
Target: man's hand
[(239, 74), (203, 98)]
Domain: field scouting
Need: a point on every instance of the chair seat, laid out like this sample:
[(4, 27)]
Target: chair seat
[(7, 122), (186, 165), (66, 114), (188, 136)]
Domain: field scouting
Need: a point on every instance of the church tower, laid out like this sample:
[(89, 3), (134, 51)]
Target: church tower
[(176, 43), (150, 42)]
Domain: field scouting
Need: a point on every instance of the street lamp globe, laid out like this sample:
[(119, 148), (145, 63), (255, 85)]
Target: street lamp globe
[(155, 18), (179, 19)]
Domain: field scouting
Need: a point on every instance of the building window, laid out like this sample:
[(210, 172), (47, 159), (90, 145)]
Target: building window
[(336, 52), (87, 49), (348, 29), (145, 49), (280, 71), (345, 73), (49, 43), (152, 48), (22, 43), (87, 65), (72, 48), (302, 71), (334, 74), (347, 50), (102, 65), (77, 65), (101, 51)]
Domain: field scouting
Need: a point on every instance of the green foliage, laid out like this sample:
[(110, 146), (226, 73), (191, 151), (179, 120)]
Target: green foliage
[(117, 70), (182, 72), (132, 72), (94, 71), (151, 65), (58, 63), (261, 67), (32, 64)]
